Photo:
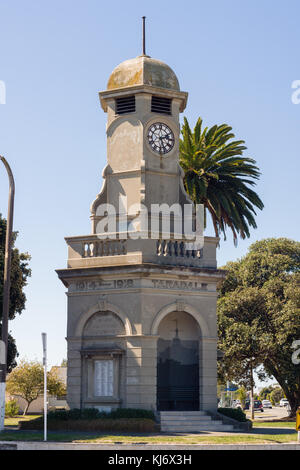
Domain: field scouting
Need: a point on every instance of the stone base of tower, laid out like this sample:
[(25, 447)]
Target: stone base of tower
[(142, 336)]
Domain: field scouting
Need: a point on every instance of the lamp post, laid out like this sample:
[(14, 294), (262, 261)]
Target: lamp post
[(6, 290), (44, 340)]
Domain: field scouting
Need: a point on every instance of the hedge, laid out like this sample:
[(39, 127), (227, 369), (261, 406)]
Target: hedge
[(93, 413), (100, 424), (234, 413)]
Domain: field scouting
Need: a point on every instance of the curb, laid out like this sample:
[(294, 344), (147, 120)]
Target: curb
[(15, 445)]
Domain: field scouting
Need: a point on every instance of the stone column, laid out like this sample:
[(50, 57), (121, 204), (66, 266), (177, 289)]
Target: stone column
[(74, 373), (141, 365), (208, 375)]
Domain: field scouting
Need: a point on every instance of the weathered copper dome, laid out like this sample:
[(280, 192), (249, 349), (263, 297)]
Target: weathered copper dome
[(143, 70)]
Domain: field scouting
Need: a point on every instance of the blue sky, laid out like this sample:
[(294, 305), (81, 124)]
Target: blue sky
[(236, 59)]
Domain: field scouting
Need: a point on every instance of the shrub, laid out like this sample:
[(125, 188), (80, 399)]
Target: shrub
[(93, 413), (131, 413), (234, 413), (11, 408), (106, 425)]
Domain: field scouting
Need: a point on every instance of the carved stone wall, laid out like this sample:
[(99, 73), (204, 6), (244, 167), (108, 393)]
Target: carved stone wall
[(104, 324)]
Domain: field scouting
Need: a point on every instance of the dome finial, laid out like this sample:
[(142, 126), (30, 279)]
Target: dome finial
[(144, 36)]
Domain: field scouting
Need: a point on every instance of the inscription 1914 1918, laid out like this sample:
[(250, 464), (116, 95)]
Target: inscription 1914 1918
[(96, 285), (130, 283)]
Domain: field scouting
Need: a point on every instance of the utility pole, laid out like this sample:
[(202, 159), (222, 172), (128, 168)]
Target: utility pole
[(6, 291)]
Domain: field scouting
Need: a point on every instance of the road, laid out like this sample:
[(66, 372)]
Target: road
[(270, 414)]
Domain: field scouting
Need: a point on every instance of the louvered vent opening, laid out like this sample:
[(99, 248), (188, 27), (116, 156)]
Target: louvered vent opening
[(125, 105), (161, 105)]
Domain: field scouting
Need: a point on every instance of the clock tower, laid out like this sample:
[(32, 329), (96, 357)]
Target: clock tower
[(143, 102), (141, 309)]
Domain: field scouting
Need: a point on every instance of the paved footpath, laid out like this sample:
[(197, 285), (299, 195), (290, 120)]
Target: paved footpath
[(115, 447)]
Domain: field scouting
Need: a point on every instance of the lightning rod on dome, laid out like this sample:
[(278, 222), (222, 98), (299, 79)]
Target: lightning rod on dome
[(144, 36)]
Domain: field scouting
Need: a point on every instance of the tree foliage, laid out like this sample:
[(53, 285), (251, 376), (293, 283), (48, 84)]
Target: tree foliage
[(19, 274), (218, 176), (265, 392), (259, 314), (27, 382), (276, 395)]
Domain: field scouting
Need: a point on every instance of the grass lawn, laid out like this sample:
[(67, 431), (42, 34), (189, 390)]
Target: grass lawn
[(263, 432), (14, 422), (274, 424), (257, 436)]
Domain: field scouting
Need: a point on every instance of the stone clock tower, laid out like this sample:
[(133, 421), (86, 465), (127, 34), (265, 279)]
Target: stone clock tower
[(141, 309)]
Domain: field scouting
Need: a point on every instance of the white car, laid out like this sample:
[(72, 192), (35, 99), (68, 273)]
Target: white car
[(266, 404), (283, 402)]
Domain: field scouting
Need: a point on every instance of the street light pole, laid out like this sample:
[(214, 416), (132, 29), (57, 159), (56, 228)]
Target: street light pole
[(6, 290), (44, 340)]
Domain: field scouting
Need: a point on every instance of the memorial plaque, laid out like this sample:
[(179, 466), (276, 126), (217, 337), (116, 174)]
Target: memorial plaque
[(104, 378)]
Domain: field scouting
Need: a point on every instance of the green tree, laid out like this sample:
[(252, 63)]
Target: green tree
[(276, 395), (27, 382), (217, 175), (242, 395), (259, 314), (19, 274), (265, 392)]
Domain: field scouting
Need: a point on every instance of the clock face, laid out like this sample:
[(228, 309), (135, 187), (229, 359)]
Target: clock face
[(160, 138)]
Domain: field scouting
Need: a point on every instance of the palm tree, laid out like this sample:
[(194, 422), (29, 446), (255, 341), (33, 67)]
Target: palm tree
[(219, 177)]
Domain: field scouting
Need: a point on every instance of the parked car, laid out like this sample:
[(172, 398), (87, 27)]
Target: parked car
[(283, 402), (238, 405), (266, 404), (257, 405)]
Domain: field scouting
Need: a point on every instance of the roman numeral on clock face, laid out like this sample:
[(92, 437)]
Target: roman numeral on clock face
[(160, 138)]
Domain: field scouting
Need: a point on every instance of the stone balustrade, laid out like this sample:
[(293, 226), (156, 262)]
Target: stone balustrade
[(179, 249), (96, 248), (90, 250)]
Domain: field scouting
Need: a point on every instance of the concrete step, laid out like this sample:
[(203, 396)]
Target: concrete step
[(183, 413), (198, 428), (184, 418), (191, 421), (186, 423)]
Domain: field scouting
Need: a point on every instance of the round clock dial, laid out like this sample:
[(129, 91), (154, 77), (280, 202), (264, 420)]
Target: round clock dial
[(160, 138)]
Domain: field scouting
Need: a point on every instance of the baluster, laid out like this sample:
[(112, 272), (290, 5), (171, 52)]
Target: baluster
[(92, 247), (84, 250), (88, 250), (181, 249), (176, 248), (164, 248), (100, 248)]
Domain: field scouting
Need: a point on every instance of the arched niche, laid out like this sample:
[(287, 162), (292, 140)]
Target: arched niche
[(103, 324), (103, 306), (178, 362)]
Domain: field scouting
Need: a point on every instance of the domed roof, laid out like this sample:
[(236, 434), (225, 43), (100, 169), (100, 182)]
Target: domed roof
[(143, 70)]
